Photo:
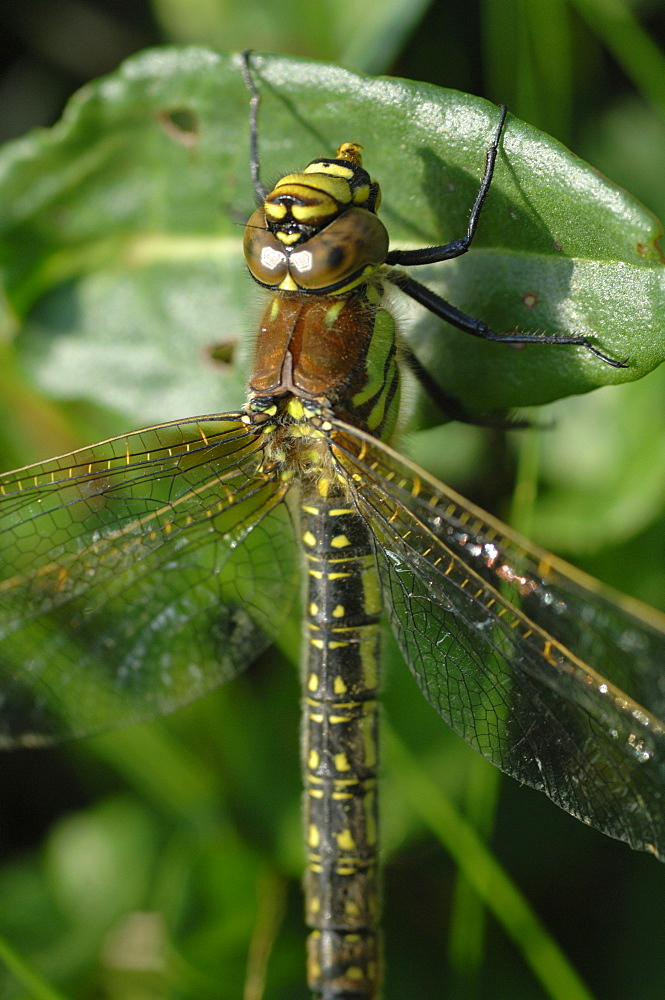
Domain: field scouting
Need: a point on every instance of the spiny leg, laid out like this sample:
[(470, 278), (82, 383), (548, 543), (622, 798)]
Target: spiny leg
[(254, 104), (446, 251), (477, 328)]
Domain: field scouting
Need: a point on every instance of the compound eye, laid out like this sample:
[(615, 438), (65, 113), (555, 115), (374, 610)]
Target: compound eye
[(265, 255), (347, 251)]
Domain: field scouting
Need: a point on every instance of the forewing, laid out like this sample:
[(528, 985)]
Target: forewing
[(124, 589), (492, 630)]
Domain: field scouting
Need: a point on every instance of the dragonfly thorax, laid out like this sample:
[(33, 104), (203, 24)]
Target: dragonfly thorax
[(297, 442), (338, 354)]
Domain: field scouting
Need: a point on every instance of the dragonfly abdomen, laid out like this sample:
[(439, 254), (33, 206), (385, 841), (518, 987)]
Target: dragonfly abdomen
[(340, 756)]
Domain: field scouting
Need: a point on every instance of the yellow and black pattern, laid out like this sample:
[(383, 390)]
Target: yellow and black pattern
[(340, 749)]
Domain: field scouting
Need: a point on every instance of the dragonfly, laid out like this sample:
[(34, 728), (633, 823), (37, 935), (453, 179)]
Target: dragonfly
[(139, 573)]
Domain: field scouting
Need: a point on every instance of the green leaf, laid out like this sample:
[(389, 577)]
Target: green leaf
[(120, 233)]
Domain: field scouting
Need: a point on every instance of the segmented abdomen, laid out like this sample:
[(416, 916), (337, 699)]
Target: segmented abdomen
[(340, 720)]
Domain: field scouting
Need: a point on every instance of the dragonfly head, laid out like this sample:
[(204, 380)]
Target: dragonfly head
[(317, 231)]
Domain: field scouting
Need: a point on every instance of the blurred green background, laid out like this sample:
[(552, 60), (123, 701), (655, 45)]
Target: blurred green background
[(164, 861)]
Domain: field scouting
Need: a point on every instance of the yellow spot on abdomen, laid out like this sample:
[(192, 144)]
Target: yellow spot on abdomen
[(308, 538), (370, 820), (353, 972), (342, 762), (338, 611), (312, 681), (340, 542), (339, 687), (313, 967), (313, 759), (313, 836), (345, 841)]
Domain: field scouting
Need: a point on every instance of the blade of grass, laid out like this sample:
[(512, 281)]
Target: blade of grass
[(37, 988), (377, 39), (548, 30), (468, 912), (541, 953), (637, 53)]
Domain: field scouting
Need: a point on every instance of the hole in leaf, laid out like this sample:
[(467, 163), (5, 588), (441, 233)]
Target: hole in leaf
[(181, 125), (222, 355)]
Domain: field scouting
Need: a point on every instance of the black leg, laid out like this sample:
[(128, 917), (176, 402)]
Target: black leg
[(451, 407), (255, 100), (477, 328), (432, 255)]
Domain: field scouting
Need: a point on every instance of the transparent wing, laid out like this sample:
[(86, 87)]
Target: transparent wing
[(124, 591), (521, 655)]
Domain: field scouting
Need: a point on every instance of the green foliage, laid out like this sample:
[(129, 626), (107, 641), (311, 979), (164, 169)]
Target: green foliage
[(124, 267)]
